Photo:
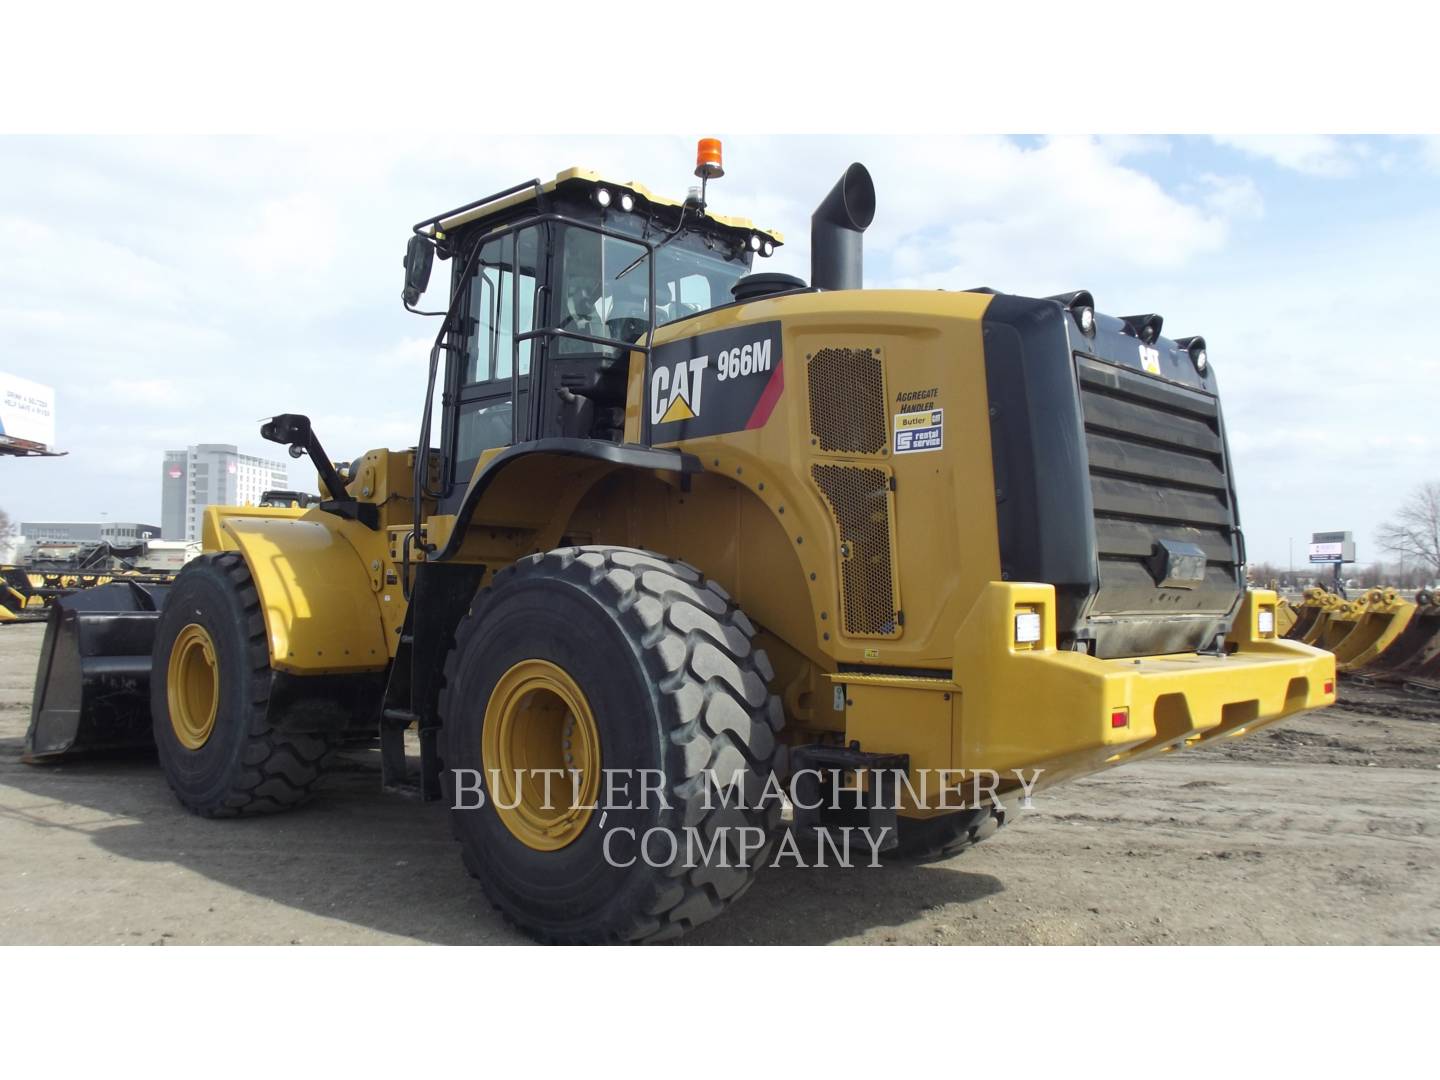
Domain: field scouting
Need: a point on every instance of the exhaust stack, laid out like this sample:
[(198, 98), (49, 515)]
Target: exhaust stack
[(836, 228)]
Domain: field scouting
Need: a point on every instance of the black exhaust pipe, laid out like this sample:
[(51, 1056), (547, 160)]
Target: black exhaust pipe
[(836, 228)]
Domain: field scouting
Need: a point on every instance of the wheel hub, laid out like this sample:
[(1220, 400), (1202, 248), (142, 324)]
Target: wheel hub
[(539, 719), (193, 686)]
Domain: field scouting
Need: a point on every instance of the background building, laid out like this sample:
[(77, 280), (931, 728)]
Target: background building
[(211, 474), (119, 533)]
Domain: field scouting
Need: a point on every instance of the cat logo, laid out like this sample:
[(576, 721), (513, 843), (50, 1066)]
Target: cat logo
[(714, 383), (675, 391)]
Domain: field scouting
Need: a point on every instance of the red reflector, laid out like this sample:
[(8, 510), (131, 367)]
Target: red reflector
[(1329, 687), (1120, 718)]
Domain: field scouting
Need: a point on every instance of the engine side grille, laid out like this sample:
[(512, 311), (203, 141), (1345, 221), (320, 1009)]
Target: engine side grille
[(1157, 472), (847, 401), (861, 501)]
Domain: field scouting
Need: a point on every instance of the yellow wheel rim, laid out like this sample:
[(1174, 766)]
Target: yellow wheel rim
[(192, 687), (539, 719)]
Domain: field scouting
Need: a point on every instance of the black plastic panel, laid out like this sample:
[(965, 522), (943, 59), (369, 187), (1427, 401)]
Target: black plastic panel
[(1106, 451)]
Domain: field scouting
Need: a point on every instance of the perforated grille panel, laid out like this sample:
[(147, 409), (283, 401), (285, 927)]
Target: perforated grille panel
[(847, 401), (860, 500)]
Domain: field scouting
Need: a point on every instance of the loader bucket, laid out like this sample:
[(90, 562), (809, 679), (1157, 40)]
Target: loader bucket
[(1286, 616), (1340, 624), (1319, 605), (92, 687), (1377, 630), (1416, 648)]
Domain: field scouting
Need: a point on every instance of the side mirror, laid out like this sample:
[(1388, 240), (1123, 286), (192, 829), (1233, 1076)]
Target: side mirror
[(419, 258)]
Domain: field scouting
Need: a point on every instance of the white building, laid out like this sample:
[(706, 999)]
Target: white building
[(211, 474), (118, 533)]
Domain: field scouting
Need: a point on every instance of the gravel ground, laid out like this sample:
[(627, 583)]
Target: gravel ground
[(1321, 831)]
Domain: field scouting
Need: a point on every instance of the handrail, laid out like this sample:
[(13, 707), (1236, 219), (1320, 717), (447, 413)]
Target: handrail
[(422, 451), (433, 222)]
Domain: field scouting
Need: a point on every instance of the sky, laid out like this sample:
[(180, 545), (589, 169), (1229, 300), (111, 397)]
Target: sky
[(176, 290)]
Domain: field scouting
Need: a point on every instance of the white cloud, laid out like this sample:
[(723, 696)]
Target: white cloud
[(1231, 197), (988, 211), (1430, 151), (1316, 155)]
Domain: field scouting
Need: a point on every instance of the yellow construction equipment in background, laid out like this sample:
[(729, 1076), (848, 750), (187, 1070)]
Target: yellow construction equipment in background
[(1410, 656), (1379, 637)]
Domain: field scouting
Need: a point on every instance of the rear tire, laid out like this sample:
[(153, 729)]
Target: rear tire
[(922, 840), (668, 681), (237, 763)]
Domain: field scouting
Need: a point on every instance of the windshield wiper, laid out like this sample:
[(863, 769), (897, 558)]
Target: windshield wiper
[(669, 236)]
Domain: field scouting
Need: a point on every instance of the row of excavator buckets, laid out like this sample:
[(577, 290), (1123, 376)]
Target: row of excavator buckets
[(26, 594), (1378, 638)]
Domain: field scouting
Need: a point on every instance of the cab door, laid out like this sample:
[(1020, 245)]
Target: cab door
[(488, 386)]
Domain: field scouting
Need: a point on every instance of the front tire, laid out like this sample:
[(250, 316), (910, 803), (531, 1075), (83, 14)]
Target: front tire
[(210, 694), (629, 661)]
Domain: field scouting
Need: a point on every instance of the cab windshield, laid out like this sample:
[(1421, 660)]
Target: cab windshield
[(603, 281)]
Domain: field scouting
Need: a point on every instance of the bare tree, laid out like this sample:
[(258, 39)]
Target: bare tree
[(1414, 533)]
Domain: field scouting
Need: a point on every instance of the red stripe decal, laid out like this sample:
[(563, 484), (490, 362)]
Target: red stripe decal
[(766, 405)]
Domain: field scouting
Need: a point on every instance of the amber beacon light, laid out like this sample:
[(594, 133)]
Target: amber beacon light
[(707, 160)]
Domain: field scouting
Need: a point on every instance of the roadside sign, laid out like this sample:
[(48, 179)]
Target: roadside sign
[(1332, 547), (27, 416)]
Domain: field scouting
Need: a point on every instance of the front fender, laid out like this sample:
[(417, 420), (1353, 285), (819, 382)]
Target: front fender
[(322, 615)]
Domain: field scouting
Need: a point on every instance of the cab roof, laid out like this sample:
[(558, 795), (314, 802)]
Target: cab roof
[(453, 219)]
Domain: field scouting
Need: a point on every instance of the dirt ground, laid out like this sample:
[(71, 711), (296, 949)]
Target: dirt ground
[(1325, 830)]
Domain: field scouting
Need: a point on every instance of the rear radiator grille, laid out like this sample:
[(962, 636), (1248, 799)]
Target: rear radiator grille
[(847, 401), (1157, 471), (861, 501)]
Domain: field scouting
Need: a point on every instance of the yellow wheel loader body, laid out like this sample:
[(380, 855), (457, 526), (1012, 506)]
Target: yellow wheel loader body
[(950, 532)]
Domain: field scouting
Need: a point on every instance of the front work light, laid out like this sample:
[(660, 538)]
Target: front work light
[(1195, 346), (1027, 627), (627, 202), (602, 197)]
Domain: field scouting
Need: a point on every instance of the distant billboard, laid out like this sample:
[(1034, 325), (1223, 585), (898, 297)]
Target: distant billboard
[(27, 415), (1332, 547)]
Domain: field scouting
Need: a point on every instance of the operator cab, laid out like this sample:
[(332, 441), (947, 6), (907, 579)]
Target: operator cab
[(552, 287)]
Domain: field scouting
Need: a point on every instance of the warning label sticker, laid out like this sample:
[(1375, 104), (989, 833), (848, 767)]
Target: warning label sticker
[(916, 431)]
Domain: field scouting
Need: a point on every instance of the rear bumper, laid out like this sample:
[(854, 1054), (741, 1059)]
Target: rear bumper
[(1017, 708)]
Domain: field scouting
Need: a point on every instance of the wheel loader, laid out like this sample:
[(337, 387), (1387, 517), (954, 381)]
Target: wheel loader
[(726, 555)]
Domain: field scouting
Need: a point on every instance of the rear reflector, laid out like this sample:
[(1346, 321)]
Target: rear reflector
[(1120, 718), (1329, 686)]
